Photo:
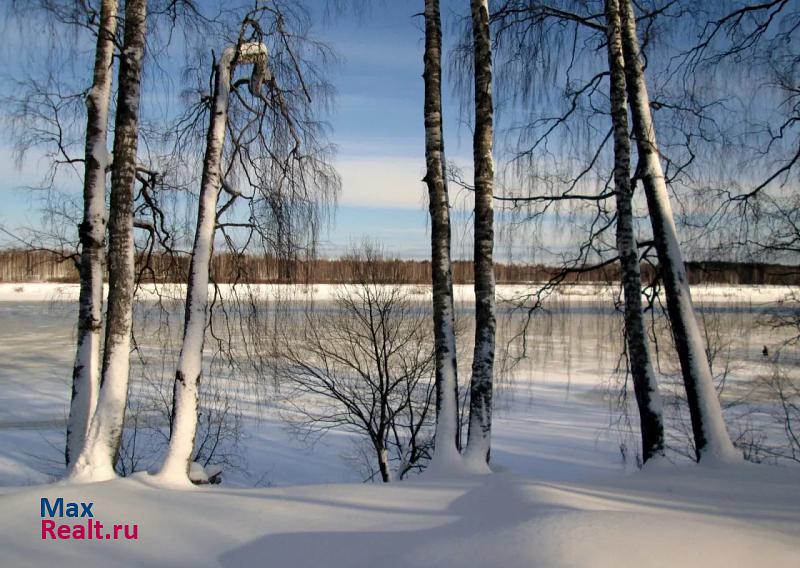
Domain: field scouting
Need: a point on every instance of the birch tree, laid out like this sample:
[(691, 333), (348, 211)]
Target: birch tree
[(272, 143), (480, 406), (532, 37), (86, 370), (97, 458), (190, 362), (447, 439), (644, 380), (712, 442)]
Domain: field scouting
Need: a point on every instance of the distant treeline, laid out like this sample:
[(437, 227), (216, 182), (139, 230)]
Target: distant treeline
[(17, 265)]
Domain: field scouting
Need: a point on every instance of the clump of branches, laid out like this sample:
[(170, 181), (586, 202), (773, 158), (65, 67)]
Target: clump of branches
[(278, 181), (363, 365)]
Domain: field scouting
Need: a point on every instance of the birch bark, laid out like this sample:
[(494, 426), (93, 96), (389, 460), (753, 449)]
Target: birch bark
[(645, 385), (480, 406), (190, 362), (711, 439), (96, 460), (447, 439), (86, 369)]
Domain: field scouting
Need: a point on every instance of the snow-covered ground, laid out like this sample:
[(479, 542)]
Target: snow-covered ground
[(668, 517), (560, 496)]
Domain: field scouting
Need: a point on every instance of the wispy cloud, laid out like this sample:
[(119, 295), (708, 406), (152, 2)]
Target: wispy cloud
[(382, 181)]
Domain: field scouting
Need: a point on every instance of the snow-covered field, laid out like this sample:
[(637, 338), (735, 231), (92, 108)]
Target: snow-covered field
[(592, 293), (560, 496)]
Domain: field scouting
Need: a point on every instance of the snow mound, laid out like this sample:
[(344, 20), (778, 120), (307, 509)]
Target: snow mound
[(197, 473), (609, 539), (688, 517)]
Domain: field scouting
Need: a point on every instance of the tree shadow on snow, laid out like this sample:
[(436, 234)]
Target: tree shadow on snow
[(496, 502)]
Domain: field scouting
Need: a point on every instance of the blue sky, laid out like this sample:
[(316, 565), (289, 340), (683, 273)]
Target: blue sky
[(377, 125)]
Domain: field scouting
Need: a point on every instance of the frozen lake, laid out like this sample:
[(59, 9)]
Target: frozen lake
[(558, 404)]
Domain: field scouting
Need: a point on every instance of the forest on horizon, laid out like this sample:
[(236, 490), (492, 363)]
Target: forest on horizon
[(22, 266)]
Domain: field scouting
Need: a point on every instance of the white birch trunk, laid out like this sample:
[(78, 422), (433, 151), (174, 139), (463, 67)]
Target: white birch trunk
[(480, 405), (383, 465), (446, 454), (190, 363), (712, 442), (645, 385), (96, 460), (86, 369)]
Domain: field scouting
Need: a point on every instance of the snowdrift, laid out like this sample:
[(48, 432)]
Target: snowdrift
[(664, 516)]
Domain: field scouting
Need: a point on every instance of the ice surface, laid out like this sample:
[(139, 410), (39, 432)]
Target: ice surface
[(578, 293)]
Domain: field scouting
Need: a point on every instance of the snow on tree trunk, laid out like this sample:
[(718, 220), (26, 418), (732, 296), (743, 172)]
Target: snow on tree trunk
[(447, 427), (383, 464), (480, 404), (644, 379), (190, 363), (86, 369), (96, 460), (712, 442)]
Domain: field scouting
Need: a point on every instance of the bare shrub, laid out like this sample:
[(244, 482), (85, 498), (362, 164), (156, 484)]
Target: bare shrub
[(363, 365)]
